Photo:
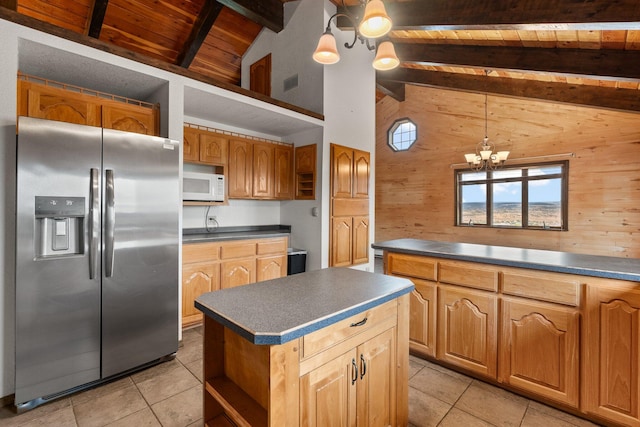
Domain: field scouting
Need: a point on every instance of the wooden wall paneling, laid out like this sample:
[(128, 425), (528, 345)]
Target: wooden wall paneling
[(415, 188)]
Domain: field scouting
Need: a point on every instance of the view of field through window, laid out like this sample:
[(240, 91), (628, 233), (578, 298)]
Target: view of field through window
[(544, 201)]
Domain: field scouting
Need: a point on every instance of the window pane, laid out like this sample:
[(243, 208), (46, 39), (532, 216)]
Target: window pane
[(473, 176), (474, 204), (402, 135), (507, 173), (549, 170), (545, 205), (507, 204)]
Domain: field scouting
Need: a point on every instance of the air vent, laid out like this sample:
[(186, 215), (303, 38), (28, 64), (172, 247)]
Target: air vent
[(290, 83)]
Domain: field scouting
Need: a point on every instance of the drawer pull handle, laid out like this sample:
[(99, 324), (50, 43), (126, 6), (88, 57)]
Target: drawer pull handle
[(360, 323), (354, 371)]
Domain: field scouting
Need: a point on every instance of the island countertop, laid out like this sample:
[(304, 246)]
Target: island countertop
[(561, 262), (280, 310)]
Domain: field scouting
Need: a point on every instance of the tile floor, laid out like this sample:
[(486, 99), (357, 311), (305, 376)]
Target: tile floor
[(170, 394)]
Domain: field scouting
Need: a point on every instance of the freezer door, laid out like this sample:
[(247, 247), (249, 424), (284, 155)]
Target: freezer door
[(57, 301), (140, 241)]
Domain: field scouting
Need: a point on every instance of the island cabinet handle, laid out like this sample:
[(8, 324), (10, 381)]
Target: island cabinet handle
[(363, 366), (360, 323), (354, 371)]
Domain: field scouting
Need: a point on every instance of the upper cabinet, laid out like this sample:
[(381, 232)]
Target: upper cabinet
[(283, 182), (305, 159), (86, 107), (263, 170), (240, 169), (204, 146)]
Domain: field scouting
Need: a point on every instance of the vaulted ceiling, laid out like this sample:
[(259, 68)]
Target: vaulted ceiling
[(576, 51)]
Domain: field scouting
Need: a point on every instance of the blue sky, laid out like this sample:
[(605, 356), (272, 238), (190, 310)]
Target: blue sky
[(547, 190)]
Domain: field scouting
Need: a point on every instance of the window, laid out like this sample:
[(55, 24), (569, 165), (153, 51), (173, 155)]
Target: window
[(530, 196), (401, 135)]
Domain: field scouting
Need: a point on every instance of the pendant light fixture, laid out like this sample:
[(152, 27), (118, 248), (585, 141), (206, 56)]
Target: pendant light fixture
[(375, 24), (486, 157)]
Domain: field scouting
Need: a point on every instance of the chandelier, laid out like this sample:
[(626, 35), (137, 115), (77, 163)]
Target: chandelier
[(486, 157), (375, 24)]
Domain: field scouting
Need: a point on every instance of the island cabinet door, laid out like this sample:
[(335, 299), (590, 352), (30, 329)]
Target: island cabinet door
[(612, 352), (539, 349), (467, 329), (328, 393)]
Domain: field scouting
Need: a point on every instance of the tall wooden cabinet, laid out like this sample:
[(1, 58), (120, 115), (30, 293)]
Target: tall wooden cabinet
[(349, 208)]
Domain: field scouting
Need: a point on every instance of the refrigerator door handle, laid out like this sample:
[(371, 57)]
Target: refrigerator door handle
[(94, 223), (109, 227)]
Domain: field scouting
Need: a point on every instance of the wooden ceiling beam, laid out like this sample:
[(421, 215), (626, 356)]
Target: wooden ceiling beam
[(594, 96), (393, 89), (533, 15), (199, 32), (268, 13), (605, 64), (9, 4), (97, 18)]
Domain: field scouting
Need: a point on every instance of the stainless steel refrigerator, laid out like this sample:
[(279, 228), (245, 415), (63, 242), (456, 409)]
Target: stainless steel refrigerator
[(96, 256)]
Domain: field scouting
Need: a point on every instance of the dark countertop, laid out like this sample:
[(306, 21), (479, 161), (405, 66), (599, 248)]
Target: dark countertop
[(280, 310), (562, 262), (199, 235)]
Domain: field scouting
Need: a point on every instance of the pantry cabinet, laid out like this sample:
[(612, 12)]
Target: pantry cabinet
[(211, 266)]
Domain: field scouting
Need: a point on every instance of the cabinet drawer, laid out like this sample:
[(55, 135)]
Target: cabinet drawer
[(468, 274), (273, 246), (334, 334), (241, 249), (543, 286), (200, 252), (411, 266)]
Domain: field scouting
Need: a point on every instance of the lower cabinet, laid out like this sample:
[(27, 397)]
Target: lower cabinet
[(211, 266), (356, 388), (422, 318), (468, 329), (539, 349)]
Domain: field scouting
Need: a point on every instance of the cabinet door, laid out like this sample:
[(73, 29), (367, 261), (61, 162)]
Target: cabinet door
[(49, 103), (376, 400), (360, 239), (422, 317), (238, 272), (196, 280), (190, 145), (539, 349), (240, 168), (263, 171), (213, 149), (283, 184), (467, 329), (272, 267), (130, 118), (341, 235), (328, 393), (342, 171), (361, 167), (306, 158), (612, 356)]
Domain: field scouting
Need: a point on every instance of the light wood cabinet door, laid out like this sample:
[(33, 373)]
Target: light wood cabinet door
[(237, 272), (272, 267), (360, 240), (341, 241), (283, 181), (130, 118), (50, 103), (361, 170), (263, 171), (197, 279), (539, 349), (213, 149), (468, 329), (422, 317), (240, 169), (190, 145), (612, 352), (342, 171), (328, 393), (376, 394)]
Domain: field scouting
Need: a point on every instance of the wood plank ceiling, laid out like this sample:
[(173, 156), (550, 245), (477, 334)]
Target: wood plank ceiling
[(576, 51)]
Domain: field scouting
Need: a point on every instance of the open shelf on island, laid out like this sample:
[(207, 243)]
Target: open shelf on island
[(237, 405)]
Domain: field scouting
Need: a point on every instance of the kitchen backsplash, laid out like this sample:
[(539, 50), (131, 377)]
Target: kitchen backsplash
[(237, 213)]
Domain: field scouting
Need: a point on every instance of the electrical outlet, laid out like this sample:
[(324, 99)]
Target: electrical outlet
[(211, 220)]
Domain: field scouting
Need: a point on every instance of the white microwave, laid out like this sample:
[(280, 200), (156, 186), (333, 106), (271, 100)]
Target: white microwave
[(202, 187)]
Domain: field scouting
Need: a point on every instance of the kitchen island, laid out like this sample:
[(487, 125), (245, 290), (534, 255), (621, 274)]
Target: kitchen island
[(307, 349), (558, 327)]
